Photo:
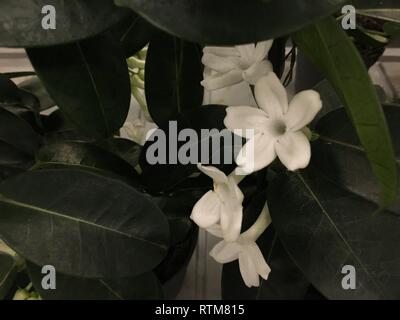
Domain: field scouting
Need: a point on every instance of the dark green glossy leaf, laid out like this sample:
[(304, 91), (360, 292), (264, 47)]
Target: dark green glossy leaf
[(326, 215), (58, 128), (142, 287), (84, 155), (93, 226), (18, 141), (285, 281), (325, 227), (8, 271), (123, 148), (21, 23), (178, 256), (339, 156), (163, 177), (89, 81), (19, 102), (224, 22), (178, 207), (328, 47), (135, 33), (173, 75)]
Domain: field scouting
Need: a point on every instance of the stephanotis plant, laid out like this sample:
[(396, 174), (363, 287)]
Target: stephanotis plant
[(305, 207)]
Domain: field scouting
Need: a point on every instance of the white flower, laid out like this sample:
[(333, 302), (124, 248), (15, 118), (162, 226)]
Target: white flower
[(251, 261), (236, 64), (221, 206), (278, 125)]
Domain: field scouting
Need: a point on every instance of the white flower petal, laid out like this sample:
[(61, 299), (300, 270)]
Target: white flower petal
[(219, 81), (247, 52), (262, 49), (239, 119), (261, 265), (248, 270), (257, 71), (217, 175), (234, 189), (222, 51), (256, 154), (207, 211), (294, 150), (225, 252), (269, 92), (231, 220), (303, 109), (220, 64), (216, 231)]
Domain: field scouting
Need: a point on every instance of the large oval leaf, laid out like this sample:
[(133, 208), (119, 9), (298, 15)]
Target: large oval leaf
[(325, 227), (21, 22), (225, 22), (331, 50), (142, 287), (82, 223), (89, 81), (338, 154), (173, 75), (326, 215), (84, 155)]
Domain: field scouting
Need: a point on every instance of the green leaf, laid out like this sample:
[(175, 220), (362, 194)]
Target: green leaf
[(75, 20), (325, 227), (328, 47), (18, 141), (124, 149), (326, 215), (392, 28), (339, 157), (162, 177), (178, 207), (8, 271), (376, 4), (82, 223), (85, 156), (285, 281), (19, 102), (135, 33), (173, 75), (58, 128), (89, 81), (224, 22), (142, 287)]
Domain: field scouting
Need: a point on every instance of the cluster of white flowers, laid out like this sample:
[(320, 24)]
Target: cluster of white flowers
[(279, 128)]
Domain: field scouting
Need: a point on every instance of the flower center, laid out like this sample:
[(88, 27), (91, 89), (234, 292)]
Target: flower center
[(279, 128)]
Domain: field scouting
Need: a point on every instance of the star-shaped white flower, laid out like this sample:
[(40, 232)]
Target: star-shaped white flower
[(223, 205), (278, 125), (252, 264), (233, 65)]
